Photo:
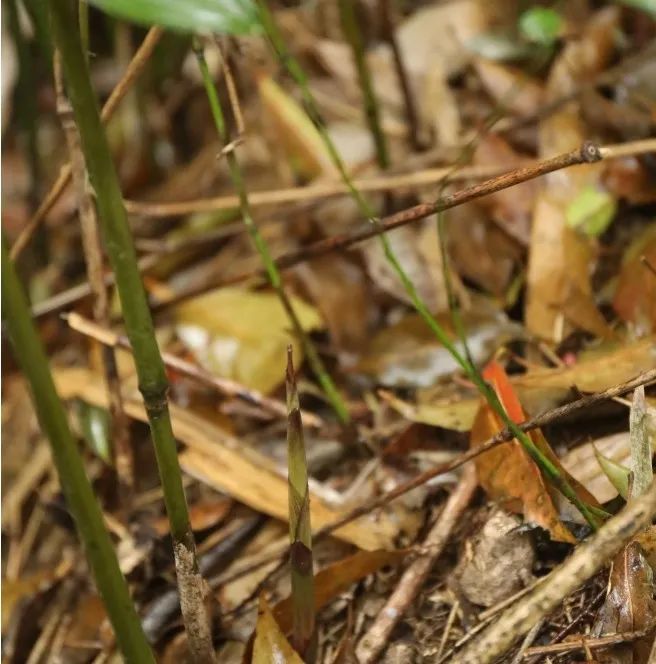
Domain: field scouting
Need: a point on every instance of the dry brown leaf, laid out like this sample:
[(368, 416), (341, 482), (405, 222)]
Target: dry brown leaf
[(629, 179), (220, 460), (417, 250), (449, 413), (338, 289), (635, 296), (338, 577), (438, 107), (481, 251), (508, 474), (203, 513), (439, 33), (630, 606), (511, 208), (561, 259), (15, 591), (541, 389), (510, 87), (270, 645), (88, 623)]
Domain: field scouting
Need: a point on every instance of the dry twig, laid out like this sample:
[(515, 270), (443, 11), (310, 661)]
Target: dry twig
[(588, 557), (375, 640), (133, 70), (587, 153), (501, 437)]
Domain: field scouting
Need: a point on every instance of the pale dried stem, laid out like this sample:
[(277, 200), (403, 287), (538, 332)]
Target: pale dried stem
[(586, 560), (133, 70), (375, 640), (193, 591), (584, 642), (93, 257), (312, 193)]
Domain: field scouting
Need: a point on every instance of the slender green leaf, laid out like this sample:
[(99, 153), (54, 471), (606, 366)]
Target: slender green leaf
[(94, 424), (615, 472), (233, 17)]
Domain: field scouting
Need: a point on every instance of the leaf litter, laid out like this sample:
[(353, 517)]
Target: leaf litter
[(554, 279)]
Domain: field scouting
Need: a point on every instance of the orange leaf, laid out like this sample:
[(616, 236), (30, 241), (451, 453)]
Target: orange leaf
[(507, 473), (338, 577), (635, 297)]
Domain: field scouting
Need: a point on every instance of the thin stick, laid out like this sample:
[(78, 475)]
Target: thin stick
[(586, 642), (225, 386), (628, 149), (79, 292), (374, 641), (501, 437), (410, 215), (150, 368), (261, 246), (588, 557), (91, 245), (133, 70), (409, 105), (80, 497), (586, 154), (313, 192)]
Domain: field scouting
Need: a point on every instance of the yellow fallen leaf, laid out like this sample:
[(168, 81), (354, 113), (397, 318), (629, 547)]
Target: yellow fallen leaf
[(242, 334), (271, 646)]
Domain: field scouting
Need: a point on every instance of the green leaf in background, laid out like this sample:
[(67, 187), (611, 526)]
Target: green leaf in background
[(615, 472), (540, 25), (591, 211), (94, 426), (648, 6), (234, 17)]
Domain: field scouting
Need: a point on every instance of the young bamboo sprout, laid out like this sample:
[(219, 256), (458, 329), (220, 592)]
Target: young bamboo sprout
[(70, 469), (153, 383), (300, 529), (292, 65), (261, 246)]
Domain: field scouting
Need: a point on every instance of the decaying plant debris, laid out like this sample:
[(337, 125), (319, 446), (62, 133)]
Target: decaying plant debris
[(444, 213)]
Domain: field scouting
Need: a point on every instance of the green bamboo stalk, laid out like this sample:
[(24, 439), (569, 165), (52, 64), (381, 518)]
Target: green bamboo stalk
[(72, 478), (300, 528), (353, 35), (153, 383), (329, 388), (295, 70)]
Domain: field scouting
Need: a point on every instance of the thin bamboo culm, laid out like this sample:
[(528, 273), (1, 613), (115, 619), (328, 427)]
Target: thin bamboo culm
[(153, 383)]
